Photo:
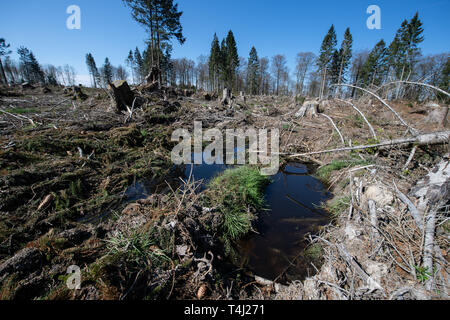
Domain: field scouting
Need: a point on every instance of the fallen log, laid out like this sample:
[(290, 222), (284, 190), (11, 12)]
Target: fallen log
[(421, 140)]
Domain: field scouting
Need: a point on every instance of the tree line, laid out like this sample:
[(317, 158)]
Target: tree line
[(28, 69), (314, 75)]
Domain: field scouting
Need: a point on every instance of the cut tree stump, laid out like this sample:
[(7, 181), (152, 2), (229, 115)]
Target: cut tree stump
[(226, 99), (122, 94)]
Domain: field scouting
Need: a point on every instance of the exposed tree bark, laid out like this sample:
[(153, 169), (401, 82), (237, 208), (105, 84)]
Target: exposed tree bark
[(423, 139)]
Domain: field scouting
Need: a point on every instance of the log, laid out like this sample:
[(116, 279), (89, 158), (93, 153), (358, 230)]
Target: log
[(422, 139)]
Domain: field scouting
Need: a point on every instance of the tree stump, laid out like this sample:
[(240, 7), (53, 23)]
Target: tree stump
[(226, 99), (122, 94), (153, 76)]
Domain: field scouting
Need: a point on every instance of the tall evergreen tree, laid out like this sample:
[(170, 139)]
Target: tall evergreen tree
[(32, 71), (345, 55), (327, 51), (107, 72), (253, 76), (214, 62), (161, 18), (231, 59), (131, 64), (374, 70), (4, 51), (139, 65), (93, 71)]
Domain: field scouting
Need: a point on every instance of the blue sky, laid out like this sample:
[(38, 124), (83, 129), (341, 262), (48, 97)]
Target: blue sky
[(273, 27)]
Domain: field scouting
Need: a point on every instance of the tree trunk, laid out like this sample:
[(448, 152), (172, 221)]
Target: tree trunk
[(3, 72)]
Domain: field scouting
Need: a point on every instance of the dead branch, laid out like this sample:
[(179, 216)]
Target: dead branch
[(363, 116), (412, 208), (373, 218), (411, 156), (419, 84), (357, 267), (414, 131), (423, 139), (335, 127)]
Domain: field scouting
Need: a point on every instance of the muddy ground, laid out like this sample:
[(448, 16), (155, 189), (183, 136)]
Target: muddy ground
[(66, 161)]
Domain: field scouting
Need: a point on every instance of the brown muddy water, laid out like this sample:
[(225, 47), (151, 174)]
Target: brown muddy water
[(292, 210)]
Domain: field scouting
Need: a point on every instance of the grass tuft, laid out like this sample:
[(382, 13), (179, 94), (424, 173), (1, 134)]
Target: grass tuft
[(236, 193)]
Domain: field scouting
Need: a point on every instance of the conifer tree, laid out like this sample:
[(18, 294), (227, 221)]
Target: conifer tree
[(374, 70), (131, 64), (139, 65), (231, 60), (345, 55), (161, 18), (32, 71), (253, 76), (327, 51), (107, 72), (93, 71), (4, 51), (214, 62)]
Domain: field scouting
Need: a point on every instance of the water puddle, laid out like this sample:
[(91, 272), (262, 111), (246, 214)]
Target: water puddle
[(292, 199), (291, 212)]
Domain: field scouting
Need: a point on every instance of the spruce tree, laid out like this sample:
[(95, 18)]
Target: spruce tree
[(107, 72), (374, 70), (92, 67), (139, 65), (253, 76), (231, 60), (214, 62), (162, 20), (32, 71), (327, 51), (131, 64), (345, 55), (4, 51)]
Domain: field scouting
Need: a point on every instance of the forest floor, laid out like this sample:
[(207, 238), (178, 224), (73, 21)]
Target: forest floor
[(66, 164)]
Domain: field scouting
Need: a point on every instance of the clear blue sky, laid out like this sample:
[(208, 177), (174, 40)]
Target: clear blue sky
[(272, 26)]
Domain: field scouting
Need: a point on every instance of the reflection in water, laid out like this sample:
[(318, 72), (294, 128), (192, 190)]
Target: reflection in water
[(292, 200)]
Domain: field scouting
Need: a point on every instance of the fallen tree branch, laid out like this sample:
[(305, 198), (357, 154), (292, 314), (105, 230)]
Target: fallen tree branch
[(335, 127), (413, 131), (423, 139), (420, 84), (412, 208), (411, 156), (363, 116)]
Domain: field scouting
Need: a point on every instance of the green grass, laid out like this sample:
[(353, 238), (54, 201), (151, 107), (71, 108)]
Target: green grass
[(337, 206), (136, 246), (324, 172), (22, 110), (234, 192)]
